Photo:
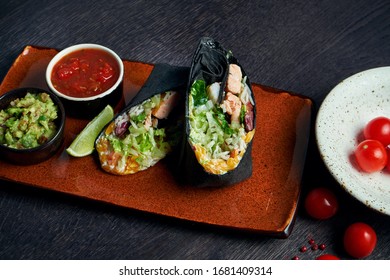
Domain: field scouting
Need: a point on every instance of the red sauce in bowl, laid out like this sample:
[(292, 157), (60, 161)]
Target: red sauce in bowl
[(85, 73)]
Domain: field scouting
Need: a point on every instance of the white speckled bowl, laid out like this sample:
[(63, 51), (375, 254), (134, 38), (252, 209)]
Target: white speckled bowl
[(339, 125)]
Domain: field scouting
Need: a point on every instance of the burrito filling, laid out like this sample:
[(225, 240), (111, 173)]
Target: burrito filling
[(140, 137), (221, 131)]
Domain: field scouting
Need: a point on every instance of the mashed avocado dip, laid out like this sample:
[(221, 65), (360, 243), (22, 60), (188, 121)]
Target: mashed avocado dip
[(28, 122)]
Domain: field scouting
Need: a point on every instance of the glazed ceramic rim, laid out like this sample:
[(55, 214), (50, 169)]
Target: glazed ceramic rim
[(338, 129), (60, 113), (73, 48)]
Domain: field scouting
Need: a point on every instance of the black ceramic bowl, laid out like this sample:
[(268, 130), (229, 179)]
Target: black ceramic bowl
[(85, 107), (44, 151)]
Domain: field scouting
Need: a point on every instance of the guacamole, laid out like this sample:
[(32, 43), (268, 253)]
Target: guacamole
[(28, 122)]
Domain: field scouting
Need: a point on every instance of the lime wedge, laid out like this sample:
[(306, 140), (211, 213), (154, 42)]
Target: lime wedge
[(84, 143)]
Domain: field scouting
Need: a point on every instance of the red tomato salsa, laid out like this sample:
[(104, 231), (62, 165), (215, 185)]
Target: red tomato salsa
[(85, 73)]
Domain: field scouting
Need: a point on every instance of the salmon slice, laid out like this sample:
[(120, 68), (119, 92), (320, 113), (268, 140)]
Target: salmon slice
[(166, 105), (232, 105), (233, 83)]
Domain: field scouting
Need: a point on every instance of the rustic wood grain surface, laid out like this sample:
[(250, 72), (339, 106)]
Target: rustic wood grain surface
[(305, 47)]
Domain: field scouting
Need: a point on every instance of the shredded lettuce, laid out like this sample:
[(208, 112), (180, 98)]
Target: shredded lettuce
[(147, 144), (210, 127), (242, 113), (198, 92), (139, 118), (221, 120)]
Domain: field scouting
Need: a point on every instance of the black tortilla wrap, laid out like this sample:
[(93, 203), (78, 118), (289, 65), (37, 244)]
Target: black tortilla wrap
[(164, 77), (211, 63)]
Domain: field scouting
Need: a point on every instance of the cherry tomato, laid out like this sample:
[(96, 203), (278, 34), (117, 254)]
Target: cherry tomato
[(321, 203), (359, 240), (327, 257), (371, 156), (378, 129), (388, 159)]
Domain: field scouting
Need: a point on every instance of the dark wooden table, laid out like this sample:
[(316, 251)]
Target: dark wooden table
[(306, 47)]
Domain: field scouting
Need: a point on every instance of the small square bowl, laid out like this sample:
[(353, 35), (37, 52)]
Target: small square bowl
[(86, 77), (46, 150)]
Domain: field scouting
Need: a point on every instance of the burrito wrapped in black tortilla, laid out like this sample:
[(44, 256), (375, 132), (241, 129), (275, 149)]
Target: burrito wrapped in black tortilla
[(220, 119), (149, 127)]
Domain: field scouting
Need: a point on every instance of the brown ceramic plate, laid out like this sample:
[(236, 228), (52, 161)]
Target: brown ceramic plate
[(266, 203)]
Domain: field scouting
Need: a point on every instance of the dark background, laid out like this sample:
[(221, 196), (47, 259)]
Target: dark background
[(306, 47)]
